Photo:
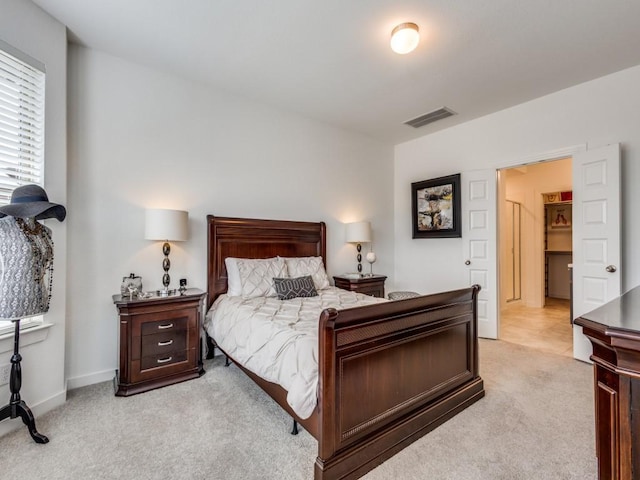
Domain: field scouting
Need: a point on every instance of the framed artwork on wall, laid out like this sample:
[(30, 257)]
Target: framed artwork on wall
[(560, 216), (436, 207)]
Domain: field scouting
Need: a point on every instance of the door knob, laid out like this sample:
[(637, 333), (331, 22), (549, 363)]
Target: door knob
[(610, 268), (468, 262)]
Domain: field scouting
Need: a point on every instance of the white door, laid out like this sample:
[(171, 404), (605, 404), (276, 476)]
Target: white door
[(596, 235), (479, 239)]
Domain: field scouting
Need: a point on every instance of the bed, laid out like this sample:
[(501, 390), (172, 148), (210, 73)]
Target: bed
[(414, 360)]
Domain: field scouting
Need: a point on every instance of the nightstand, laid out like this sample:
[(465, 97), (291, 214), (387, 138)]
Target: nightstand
[(159, 341), (368, 284)]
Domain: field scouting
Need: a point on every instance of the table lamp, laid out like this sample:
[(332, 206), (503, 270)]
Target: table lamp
[(359, 233), (166, 225)]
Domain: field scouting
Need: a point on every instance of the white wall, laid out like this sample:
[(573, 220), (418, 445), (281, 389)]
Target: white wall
[(140, 138), (600, 112), (43, 375)]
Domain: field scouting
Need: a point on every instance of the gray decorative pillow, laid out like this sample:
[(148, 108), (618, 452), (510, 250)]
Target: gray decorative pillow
[(288, 288)]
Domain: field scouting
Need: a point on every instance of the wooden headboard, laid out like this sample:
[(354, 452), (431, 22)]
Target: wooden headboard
[(250, 238)]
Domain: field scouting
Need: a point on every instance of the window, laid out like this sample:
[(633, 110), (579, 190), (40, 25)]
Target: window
[(21, 131)]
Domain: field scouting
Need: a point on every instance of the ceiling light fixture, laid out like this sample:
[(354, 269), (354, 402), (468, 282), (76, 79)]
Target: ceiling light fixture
[(405, 38)]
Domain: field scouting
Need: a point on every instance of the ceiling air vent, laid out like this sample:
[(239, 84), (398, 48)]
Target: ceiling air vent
[(430, 117)]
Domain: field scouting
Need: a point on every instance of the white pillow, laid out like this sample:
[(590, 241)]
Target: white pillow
[(234, 287), (256, 276), (303, 266)]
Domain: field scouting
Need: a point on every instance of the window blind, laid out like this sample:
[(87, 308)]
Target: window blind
[(21, 133), (21, 123)]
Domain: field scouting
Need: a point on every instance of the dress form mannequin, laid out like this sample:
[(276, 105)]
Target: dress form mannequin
[(26, 259), (26, 275)]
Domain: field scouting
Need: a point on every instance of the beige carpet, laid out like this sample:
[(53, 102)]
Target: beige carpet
[(536, 422)]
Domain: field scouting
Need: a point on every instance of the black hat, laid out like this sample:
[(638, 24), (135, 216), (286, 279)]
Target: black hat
[(31, 201)]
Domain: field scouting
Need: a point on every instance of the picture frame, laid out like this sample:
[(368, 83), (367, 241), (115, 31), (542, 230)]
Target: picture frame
[(435, 206), (560, 216)]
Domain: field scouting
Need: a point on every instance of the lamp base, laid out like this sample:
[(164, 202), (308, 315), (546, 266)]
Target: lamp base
[(166, 265)]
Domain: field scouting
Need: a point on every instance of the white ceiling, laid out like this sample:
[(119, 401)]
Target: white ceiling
[(330, 59)]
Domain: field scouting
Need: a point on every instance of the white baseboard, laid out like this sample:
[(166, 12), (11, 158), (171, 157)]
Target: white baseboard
[(84, 380), (560, 295), (37, 409)]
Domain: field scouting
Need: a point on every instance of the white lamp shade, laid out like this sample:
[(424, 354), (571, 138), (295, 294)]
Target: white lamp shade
[(162, 224), (405, 38), (358, 232)]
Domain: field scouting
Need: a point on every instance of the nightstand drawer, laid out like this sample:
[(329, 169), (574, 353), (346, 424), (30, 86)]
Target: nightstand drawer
[(163, 359), (149, 369), (161, 343), (165, 326), (374, 291)]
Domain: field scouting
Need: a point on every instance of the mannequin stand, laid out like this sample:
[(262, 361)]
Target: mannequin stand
[(17, 407)]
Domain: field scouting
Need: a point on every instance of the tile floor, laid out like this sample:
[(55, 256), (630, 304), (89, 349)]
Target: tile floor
[(546, 329)]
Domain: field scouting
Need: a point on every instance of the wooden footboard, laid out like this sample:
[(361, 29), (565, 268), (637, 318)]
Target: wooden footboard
[(389, 373)]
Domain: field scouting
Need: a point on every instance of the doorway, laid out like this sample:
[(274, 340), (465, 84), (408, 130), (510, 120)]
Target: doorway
[(535, 253)]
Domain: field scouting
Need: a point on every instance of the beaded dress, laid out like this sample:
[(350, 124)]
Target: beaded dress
[(26, 268)]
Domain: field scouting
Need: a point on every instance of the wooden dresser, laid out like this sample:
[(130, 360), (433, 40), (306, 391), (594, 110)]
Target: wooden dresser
[(614, 332), (159, 341)]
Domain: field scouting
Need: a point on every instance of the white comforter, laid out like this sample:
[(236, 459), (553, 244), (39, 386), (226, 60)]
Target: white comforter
[(278, 339)]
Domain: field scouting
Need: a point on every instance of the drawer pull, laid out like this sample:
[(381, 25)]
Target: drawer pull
[(164, 344), (164, 360), (164, 327)]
